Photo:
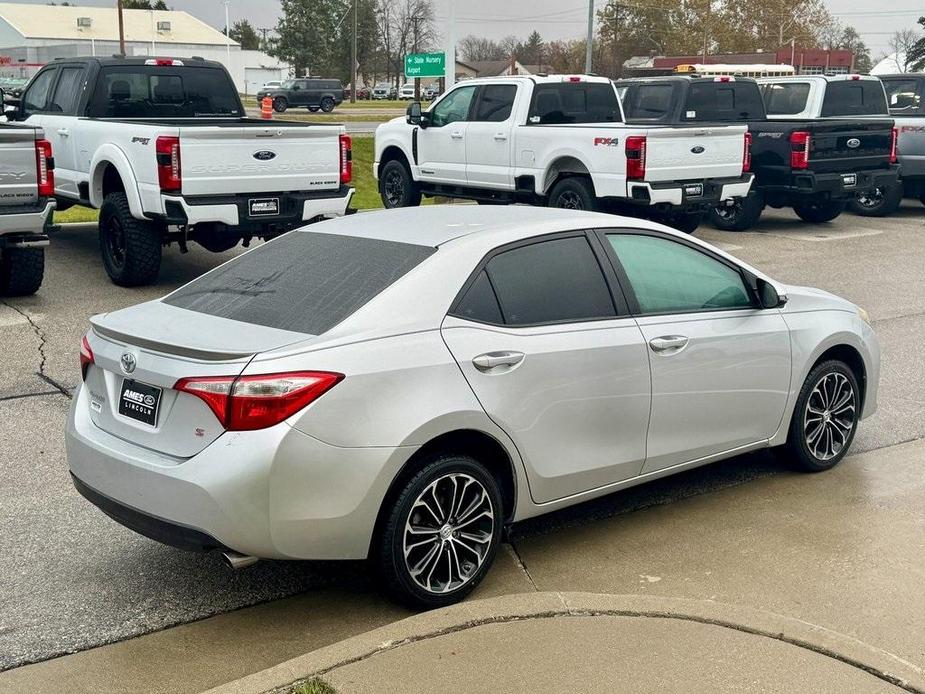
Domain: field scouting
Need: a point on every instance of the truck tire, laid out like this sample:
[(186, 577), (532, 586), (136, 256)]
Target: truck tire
[(327, 104), (819, 211), (280, 104), (131, 248), (686, 222), (573, 193), (21, 271), (741, 215), (879, 202), (396, 186)]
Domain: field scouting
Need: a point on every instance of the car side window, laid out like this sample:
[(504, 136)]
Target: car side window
[(496, 101), (67, 91), (453, 107), (671, 277), (553, 281), (36, 95)]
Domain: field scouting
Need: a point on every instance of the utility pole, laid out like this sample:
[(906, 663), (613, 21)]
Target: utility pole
[(227, 38), (417, 80), (590, 37), (450, 63), (353, 57), (121, 28)]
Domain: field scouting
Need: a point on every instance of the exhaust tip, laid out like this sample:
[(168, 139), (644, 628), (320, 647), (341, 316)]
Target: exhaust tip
[(237, 561)]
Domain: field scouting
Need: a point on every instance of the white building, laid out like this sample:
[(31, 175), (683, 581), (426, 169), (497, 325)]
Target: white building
[(32, 35)]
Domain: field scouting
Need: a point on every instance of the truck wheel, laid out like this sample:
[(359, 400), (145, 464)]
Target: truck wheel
[(878, 202), (817, 212), (573, 193), (396, 187), (327, 104), (686, 222), (738, 215), (280, 104), (21, 271), (131, 248)]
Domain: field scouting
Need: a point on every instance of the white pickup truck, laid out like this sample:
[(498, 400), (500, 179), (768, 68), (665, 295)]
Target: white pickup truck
[(26, 188), (163, 148), (559, 141), (905, 95)]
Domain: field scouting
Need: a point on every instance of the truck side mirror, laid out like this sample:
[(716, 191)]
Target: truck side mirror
[(414, 115)]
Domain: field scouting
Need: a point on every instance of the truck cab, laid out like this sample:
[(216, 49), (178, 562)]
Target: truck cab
[(905, 95)]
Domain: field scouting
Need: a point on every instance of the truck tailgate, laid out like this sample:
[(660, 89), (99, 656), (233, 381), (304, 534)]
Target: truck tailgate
[(18, 178), (694, 153), (840, 146), (218, 160)]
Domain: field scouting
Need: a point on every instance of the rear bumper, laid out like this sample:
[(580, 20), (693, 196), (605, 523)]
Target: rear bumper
[(677, 193), (27, 220), (273, 493), (833, 185), (233, 210)]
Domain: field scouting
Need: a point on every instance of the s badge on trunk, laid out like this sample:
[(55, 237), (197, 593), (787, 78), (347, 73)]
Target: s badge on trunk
[(128, 362)]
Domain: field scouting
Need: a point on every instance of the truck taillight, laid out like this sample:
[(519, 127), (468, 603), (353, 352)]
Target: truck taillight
[(747, 154), (636, 157), (799, 150), (894, 152), (167, 151), (86, 357), (45, 168), (245, 403), (346, 159)]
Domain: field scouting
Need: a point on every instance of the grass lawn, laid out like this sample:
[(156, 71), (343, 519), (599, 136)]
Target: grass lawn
[(365, 198)]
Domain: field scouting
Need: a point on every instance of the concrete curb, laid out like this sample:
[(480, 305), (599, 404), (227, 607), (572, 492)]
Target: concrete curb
[(879, 663)]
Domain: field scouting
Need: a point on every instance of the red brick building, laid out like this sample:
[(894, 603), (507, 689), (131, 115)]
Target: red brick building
[(806, 61)]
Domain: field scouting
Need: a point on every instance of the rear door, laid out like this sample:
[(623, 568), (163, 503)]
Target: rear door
[(442, 145), (555, 362), (488, 141), (58, 123)]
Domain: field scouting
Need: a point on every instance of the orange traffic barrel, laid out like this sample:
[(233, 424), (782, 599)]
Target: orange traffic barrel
[(266, 108)]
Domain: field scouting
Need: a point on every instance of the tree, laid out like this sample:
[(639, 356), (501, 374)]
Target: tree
[(851, 40), (916, 53), (477, 49), (902, 44), (244, 33), (144, 5), (308, 34), (530, 51)]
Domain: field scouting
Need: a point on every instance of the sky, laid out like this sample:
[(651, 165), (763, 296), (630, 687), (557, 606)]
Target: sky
[(553, 19)]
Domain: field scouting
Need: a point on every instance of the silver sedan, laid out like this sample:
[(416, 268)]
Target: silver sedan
[(402, 385)]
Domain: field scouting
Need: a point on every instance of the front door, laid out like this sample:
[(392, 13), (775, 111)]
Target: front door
[(442, 145), (556, 364), (488, 140), (720, 365)]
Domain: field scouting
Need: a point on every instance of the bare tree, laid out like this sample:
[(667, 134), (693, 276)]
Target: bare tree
[(901, 44)]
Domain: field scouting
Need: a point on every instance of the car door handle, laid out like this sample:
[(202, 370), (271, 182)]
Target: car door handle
[(500, 136), (491, 360), (668, 343), (64, 132), (456, 136)]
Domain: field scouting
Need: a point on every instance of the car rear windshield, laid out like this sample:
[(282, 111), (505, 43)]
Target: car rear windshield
[(854, 98), (903, 96), (649, 102), (786, 99), (723, 102), (574, 102), (155, 91), (304, 282)]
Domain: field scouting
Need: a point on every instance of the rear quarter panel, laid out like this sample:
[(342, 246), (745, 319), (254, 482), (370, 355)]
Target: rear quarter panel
[(911, 145)]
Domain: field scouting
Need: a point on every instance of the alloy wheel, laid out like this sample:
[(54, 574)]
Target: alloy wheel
[(115, 241), (570, 200), (830, 416), (448, 533), (394, 188), (871, 199)]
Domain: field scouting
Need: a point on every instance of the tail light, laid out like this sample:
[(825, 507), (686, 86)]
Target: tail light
[(45, 168), (346, 159), (799, 150), (245, 403), (636, 157), (894, 152), (86, 357), (747, 154), (167, 149)]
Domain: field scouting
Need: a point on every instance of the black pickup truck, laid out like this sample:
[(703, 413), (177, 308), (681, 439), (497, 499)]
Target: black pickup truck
[(814, 165)]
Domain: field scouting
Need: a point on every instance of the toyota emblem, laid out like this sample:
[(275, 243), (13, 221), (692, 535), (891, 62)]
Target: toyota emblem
[(853, 143), (128, 362)]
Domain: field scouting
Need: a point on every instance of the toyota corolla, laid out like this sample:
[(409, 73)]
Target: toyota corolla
[(402, 385)]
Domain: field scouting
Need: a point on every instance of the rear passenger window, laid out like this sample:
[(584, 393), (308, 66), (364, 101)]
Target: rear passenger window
[(480, 303), (648, 101), (574, 102), (67, 91), (552, 281), (495, 103), (786, 99)]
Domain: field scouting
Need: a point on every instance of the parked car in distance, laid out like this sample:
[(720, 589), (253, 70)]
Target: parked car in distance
[(906, 100), (558, 141), (309, 92), (431, 92), (27, 187), (272, 84), (488, 365), (13, 86), (363, 93), (407, 91), (162, 148), (814, 165), (384, 91)]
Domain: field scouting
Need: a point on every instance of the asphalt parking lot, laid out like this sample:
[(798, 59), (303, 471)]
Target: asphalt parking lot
[(73, 579)]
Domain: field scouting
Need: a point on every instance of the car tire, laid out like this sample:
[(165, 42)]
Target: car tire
[(131, 248), (280, 104), (819, 211), (327, 104), (21, 271), (879, 202), (573, 193), (396, 186), (741, 215), (824, 419), (421, 529)]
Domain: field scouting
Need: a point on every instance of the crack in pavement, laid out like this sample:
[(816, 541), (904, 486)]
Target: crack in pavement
[(512, 550), (43, 341)]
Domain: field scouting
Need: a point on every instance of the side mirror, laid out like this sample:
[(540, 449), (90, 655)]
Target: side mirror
[(767, 294), (414, 115)]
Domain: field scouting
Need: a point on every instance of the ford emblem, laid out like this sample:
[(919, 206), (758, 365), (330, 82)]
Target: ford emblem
[(128, 362), (264, 155), (698, 149), (853, 143)]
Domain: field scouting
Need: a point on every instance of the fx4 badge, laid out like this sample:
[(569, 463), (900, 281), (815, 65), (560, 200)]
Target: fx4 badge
[(606, 141)]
